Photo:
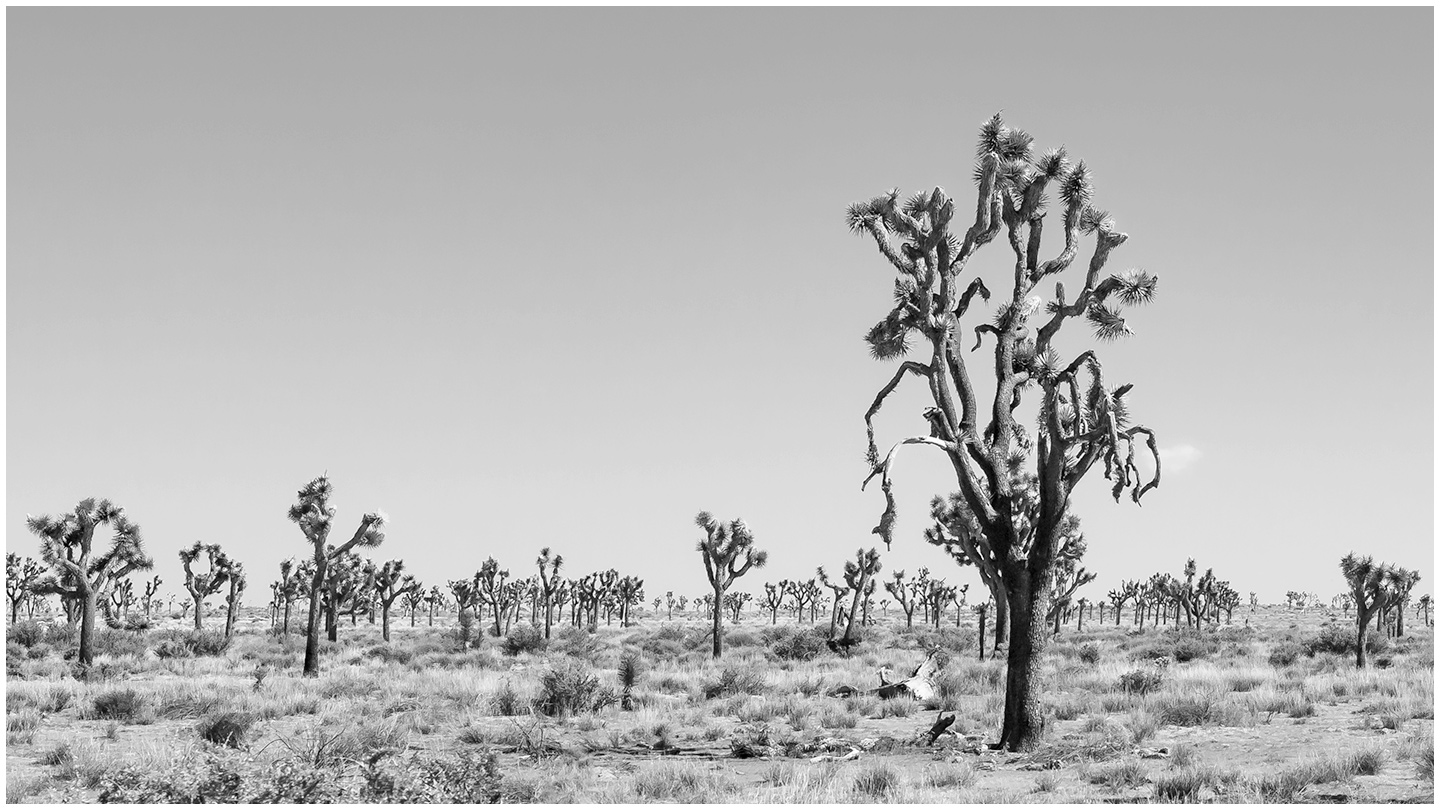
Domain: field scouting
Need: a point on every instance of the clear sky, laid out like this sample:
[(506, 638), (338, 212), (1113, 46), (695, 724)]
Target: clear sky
[(558, 277)]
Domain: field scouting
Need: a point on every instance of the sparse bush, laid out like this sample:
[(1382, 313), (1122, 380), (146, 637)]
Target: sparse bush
[(1191, 648), (1090, 654), (1141, 681), (1368, 762), (572, 689), (839, 718), (954, 775), (1192, 709), (224, 728), (576, 643), (524, 638), (1185, 784), (876, 781), (1129, 773), (1285, 653), (506, 702), (117, 704), (734, 680), (795, 643), (685, 782), (1340, 640)]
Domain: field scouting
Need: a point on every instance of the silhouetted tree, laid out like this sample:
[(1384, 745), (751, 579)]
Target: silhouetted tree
[(21, 577), (206, 583)]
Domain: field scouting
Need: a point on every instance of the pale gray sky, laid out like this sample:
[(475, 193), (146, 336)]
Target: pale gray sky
[(529, 277)]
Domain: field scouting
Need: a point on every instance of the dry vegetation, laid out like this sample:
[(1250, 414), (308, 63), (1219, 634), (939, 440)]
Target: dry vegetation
[(1244, 714)]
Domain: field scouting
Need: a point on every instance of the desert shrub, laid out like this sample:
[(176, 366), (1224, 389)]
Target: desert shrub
[(572, 689), (1090, 654), (576, 643), (119, 643), (734, 680), (117, 704), (686, 782), (185, 644), (761, 740), (1141, 681), (224, 728), (1070, 708), (390, 654), (1185, 784), (472, 778), (524, 638), (1367, 762), (1191, 648), (1191, 709), (1142, 725), (899, 707), (795, 643), (839, 718), (667, 643), (1285, 653), (1425, 760), (876, 781), (953, 775), (1129, 773), (1340, 639), (24, 634), (506, 702)]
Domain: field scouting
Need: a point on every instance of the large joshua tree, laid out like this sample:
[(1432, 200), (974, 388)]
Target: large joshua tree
[(21, 575), (729, 552), (1366, 580), (1015, 487), (78, 570), (315, 516)]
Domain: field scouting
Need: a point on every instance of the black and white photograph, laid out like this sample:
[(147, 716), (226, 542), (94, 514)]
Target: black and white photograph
[(749, 405)]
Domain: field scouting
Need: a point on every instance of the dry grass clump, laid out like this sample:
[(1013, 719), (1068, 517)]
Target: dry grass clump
[(876, 782), (953, 775), (1116, 775), (1188, 783), (685, 782)]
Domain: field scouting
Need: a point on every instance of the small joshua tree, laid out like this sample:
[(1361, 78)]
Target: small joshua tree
[(1424, 605), (1365, 579), (235, 575), (903, 597), (206, 583), (630, 591), (858, 573), (774, 598), (314, 515), (729, 553), (549, 581), (1128, 591), (77, 571), (152, 592), (838, 592), (392, 583), (21, 576), (490, 582), (414, 599)]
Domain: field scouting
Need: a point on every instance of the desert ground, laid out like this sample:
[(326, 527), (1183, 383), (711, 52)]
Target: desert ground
[(1254, 711)]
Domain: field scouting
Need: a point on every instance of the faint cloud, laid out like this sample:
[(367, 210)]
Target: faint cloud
[(1179, 457)]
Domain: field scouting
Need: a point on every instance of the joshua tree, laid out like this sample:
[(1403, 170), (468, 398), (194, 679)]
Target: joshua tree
[(774, 598), (1424, 604), (958, 598), (288, 588), (152, 590), (1068, 574), (897, 588), (549, 580), (344, 591), (1399, 583), (490, 582), (1366, 581), (78, 573), (734, 603), (203, 584), (630, 591), (729, 553), (982, 613), (122, 596), (314, 515), (21, 577), (857, 576), (805, 595), (1129, 590), (669, 605), (838, 591), (391, 583), (1015, 488), (681, 603), (235, 575), (433, 600)]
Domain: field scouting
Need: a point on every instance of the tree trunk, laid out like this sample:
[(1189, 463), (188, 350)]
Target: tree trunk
[(547, 617), (385, 621), (983, 611), (199, 608), (312, 628), (1362, 621), (716, 622), (1024, 722), (88, 607), (1399, 622)]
